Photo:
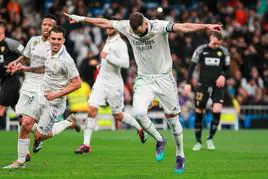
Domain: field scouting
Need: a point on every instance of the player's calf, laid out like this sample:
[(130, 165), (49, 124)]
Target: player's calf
[(142, 135), (75, 122)]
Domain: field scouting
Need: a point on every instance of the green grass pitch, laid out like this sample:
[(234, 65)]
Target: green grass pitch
[(120, 155)]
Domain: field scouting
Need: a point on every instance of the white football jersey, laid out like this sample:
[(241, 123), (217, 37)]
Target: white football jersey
[(37, 57), (151, 52), (59, 69), (117, 58)]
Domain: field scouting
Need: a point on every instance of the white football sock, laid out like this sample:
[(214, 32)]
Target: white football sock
[(58, 127), (23, 149), (88, 130), (129, 120), (177, 133), (149, 127)]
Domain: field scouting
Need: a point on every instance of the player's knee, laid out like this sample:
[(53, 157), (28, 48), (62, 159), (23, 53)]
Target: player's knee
[(118, 116), (2, 110), (139, 112), (27, 124), (92, 111), (217, 107), (216, 110), (199, 110), (170, 115)]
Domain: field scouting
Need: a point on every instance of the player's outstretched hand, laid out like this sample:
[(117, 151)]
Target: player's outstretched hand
[(74, 18), (11, 67), (220, 82), (187, 89), (20, 67), (215, 27), (14, 67)]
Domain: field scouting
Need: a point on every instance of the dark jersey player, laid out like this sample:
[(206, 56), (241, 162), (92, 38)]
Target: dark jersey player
[(214, 61), (9, 84)]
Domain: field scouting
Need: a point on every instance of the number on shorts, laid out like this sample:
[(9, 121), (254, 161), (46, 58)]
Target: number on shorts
[(199, 96)]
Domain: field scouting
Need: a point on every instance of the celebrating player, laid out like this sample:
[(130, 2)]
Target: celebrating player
[(31, 84), (149, 41), (61, 77)]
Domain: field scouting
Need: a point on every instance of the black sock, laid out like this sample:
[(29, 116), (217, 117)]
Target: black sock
[(214, 125), (198, 126), (3, 122)]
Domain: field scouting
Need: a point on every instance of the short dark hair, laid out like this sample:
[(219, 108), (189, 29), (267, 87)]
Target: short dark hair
[(58, 29), (3, 23), (50, 16), (218, 35), (136, 20), (114, 18)]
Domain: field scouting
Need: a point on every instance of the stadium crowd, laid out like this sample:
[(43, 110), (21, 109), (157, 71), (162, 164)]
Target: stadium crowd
[(245, 31)]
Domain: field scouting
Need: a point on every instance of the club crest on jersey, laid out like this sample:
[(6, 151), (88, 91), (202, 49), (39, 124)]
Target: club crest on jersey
[(219, 53), (212, 61), (2, 48), (35, 43)]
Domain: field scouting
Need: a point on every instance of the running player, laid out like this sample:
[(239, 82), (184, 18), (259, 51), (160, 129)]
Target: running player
[(109, 87), (61, 77), (31, 84)]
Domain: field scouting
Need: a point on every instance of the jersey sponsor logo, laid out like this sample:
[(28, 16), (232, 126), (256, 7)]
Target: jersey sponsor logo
[(219, 53), (143, 45), (39, 57), (212, 61), (205, 53), (2, 48)]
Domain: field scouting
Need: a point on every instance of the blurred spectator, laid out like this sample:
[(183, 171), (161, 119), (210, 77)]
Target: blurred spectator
[(13, 7)]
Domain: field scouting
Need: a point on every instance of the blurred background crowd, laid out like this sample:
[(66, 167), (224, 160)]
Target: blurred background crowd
[(245, 31)]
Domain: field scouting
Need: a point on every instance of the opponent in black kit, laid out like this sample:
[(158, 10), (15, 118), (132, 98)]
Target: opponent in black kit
[(9, 84), (214, 63)]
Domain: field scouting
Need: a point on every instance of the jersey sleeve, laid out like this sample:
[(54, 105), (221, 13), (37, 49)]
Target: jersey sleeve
[(70, 68), (119, 55), (227, 56), (165, 26), (27, 50), (197, 53), (121, 26), (15, 46)]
